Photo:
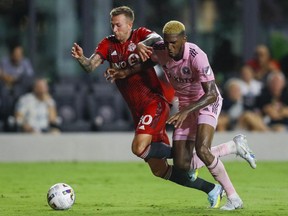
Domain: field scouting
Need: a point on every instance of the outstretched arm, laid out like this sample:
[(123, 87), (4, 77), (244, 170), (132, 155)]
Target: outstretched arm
[(209, 97), (145, 47), (112, 74), (88, 64)]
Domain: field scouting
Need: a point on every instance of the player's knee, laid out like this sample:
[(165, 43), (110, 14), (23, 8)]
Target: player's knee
[(202, 152), (137, 149)]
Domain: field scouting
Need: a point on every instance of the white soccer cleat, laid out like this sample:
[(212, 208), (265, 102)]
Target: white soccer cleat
[(243, 150), (232, 204), (215, 196)]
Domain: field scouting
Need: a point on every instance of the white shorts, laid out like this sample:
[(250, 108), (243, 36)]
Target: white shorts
[(207, 115)]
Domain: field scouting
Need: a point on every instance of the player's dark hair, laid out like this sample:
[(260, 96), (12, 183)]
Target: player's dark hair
[(128, 12)]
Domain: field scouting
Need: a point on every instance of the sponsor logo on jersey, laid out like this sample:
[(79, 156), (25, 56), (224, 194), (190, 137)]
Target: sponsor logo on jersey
[(179, 79), (131, 47), (133, 59)]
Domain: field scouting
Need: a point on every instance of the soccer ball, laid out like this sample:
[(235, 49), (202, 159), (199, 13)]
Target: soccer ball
[(61, 196)]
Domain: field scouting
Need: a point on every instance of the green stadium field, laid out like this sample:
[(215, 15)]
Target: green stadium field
[(129, 189)]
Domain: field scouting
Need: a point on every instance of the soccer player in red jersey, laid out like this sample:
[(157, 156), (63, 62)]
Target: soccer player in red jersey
[(142, 91)]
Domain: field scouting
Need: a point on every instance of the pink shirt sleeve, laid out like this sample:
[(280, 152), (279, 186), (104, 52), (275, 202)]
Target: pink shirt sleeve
[(201, 64)]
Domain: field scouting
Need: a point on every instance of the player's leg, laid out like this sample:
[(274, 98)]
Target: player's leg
[(148, 142), (181, 173), (145, 148), (158, 167), (182, 154), (237, 146), (204, 138)]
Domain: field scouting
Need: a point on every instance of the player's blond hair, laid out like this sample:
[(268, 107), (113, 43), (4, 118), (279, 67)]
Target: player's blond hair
[(174, 27), (127, 11)]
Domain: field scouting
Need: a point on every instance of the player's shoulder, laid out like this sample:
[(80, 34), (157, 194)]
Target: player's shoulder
[(194, 50), (141, 31)]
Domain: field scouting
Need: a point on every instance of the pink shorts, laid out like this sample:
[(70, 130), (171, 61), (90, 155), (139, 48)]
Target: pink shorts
[(207, 115)]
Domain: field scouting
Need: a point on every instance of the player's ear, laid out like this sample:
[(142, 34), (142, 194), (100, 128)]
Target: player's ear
[(185, 38), (130, 24)]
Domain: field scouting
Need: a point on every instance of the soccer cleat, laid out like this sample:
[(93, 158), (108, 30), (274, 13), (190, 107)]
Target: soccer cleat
[(215, 196), (193, 174), (243, 150), (232, 204)]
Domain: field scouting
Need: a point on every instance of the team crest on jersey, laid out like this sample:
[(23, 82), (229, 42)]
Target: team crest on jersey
[(131, 47), (186, 70), (207, 70)]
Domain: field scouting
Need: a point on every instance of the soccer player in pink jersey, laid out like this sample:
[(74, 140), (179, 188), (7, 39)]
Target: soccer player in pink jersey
[(188, 70), (142, 92)]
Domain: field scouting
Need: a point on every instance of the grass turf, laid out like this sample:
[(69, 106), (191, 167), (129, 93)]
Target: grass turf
[(129, 189)]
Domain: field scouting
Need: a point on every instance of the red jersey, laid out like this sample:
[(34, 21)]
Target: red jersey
[(141, 88)]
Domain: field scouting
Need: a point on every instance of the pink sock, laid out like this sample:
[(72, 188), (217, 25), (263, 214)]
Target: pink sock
[(219, 173), (218, 151)]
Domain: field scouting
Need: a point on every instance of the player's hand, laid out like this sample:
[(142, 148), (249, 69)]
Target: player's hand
[(76, 51), (144, 51), (178, 118), (112, 74)]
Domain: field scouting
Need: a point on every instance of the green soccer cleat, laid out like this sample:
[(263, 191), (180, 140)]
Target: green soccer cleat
[(193, 174), (215, 196)]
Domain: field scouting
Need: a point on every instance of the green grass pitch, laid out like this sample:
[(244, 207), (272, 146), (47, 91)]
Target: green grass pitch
[(129, 189)]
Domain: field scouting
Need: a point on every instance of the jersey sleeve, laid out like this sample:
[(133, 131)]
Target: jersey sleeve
[(201, 65), (102, 49), (160, 54), (143, 33)]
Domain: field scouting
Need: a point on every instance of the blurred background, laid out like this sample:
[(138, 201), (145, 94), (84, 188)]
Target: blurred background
[(246, 43)]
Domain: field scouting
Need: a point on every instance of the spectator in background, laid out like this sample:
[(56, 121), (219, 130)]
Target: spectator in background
[(36, 112), (273, 102), (234, 114), (250, 88), (262, 63), (15, 68)]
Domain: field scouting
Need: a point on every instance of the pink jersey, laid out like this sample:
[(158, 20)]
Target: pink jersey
[(187, 74)]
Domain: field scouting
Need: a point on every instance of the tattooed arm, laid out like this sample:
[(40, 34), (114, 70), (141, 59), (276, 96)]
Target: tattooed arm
[(88, 64)]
